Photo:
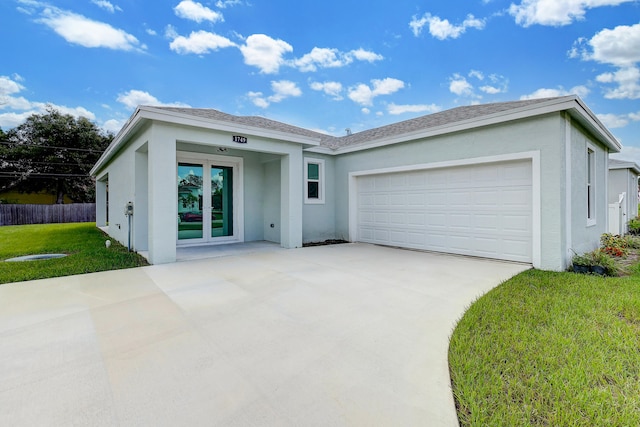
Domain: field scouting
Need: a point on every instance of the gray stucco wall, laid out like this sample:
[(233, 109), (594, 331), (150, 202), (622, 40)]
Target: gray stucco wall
[(271, 200), (544, 134), (319, 220), (586, 237), (122, 189)]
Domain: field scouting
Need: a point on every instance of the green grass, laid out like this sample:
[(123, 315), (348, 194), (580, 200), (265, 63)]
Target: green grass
[(550, 349), (83, 242)]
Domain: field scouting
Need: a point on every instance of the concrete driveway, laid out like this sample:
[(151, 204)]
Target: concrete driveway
[(349, 334)]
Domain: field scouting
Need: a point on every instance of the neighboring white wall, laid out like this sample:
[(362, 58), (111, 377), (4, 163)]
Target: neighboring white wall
[(544, 134), (319, 219), (624, 181)]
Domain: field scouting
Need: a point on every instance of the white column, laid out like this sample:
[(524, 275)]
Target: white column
[(163, 194), (291, 194)]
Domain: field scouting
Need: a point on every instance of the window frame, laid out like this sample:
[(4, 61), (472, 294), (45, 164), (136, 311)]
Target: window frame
[(321, 180), (591, 180)]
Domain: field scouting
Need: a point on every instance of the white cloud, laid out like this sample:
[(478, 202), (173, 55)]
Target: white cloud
[(613, 121), (415, 108), (363, 94), (332, 58), (365, 110), (619, 46), (134, 98), (460, 86), (113, 125), (627, 80), (581, 91), (493, 84), (628, 154), (265, 52), (9, 86), (106, 5), (80, 30), (323, 58), (200, 42), (151, 32), (477, 74), (555, 12), (442, 29), (195, 11), (366, 55), (227, 3), (11, 120), (282, 89), (333, 89), (23, 108)]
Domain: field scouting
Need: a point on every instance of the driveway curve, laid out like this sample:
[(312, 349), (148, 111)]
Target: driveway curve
[(343, 335)]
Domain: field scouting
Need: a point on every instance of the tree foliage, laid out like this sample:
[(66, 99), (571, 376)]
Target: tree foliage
[(52, 152)]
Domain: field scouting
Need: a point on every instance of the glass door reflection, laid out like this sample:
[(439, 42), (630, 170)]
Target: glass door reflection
[(190, 206), (221, 201)]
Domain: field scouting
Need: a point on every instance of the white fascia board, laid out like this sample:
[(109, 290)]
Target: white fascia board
[(128, 129), (150, 113), (626, 165), (320, 150), (570, 103), (203, 122), (586, 117)]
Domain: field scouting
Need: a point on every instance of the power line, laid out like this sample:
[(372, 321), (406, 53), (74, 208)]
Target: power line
[(41, 175), (89, 150)]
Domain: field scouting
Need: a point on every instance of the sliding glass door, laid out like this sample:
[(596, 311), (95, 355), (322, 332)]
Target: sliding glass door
[(206, 211)]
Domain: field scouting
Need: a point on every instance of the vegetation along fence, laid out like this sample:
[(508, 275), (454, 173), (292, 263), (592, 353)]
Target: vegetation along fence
[(47, 214)]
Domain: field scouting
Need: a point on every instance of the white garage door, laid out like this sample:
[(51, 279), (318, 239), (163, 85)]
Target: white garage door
[(481, 210)]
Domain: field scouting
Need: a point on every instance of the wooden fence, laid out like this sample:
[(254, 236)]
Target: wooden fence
[(47, 214)]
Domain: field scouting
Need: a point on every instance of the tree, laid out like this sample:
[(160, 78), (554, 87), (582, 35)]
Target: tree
[(52, 152)]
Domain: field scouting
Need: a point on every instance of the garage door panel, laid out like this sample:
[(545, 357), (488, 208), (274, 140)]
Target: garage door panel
[(397, 219), (481, 210)]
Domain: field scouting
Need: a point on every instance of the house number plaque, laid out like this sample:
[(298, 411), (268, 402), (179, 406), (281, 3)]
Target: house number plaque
[(239, 139)]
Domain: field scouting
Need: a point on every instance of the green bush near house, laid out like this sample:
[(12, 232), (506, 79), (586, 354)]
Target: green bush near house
[(550, 349), (83, 243)]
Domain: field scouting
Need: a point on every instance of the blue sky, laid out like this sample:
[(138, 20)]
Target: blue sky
[(326, 66)]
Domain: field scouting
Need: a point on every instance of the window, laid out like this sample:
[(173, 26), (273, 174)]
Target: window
[(314, 181), (591, 183)]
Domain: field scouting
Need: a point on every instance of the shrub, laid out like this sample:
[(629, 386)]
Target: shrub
[(634, 226), (603, 259), (614, 245), (633, 242), (583, 259)]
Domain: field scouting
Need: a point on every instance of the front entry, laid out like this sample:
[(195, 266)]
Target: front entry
[(208, 199)]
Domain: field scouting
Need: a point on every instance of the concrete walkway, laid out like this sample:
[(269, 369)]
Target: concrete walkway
[(343, 335)]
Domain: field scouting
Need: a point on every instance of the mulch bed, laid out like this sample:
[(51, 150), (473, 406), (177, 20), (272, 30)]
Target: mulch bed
[(326, 242)]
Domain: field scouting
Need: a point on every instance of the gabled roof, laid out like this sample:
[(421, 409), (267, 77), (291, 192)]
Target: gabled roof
[(622, 164), (453, 120), (252, 121)]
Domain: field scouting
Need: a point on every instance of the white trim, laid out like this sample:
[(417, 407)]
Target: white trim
[(534, 156), (568, 128), (321, 181), (238, 196), (592, 187)]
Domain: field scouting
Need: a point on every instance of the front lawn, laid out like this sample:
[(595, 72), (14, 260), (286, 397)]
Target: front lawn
[(82, 242), (550, 349)]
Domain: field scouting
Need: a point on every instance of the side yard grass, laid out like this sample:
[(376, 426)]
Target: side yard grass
[(82, 242), (550, 349)]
